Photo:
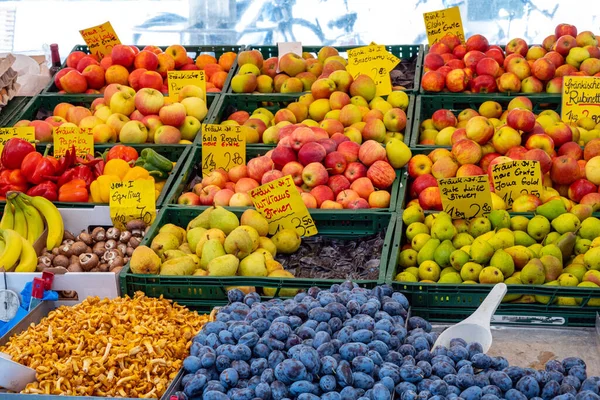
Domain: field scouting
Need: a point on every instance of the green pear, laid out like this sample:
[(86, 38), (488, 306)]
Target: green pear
[(171, 254), (470, 271), (201, 220), (499, 219), (504, 262), (551, 209), (461, 225), (589, 228), (253, 235), (582, 246), (287, 241), (194, 235), (239, 243), (429, 270), (533, 273), (592, 258), (519, 223), (180, 266), (267, 244), (546, 299), (253, 218), (164, 241), (209, 234), (491, 275), (426, 253), (536, 249), (451, 277), (412, 214), (582, 211), (552, 267), (566, 244), (520, 255), (551, 238), (419, 241), (144, 261), (478, 226), (398, 153), (443, 229), (414, 229), (567, 279), (523, 239), (253, 265), (212, 249), (502, 239), (446, 271), (429, 219), (226, 265), (512, 296), (406, 277), (538, 227), (481, 251), (441, 255), (223, 219), (462, 239), (458, 258), (407, 258), (552, 250), (577, 270), (566, 223)]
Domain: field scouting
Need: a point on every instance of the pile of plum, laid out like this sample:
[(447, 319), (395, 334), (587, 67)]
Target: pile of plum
[(351, 343)]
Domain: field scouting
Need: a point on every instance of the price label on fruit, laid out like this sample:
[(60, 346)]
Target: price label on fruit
[(131, 200), (280, 203), (466, 197), (284, 48), (100, 39), (374, 61), (223, 146), (67, 137), (580, 98), (177, 80), (24, 132), (440, 23), (516, 178)]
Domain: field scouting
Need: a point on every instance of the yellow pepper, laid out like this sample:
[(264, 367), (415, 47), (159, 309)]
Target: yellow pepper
[(136, 173), (159, 185), (100, 188), (117, 167)]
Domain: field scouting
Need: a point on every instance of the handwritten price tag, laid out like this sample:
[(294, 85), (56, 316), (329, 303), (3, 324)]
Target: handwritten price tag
[(280, 203), (288, 47), (376, 62), (512, 179), (466, 197), (132, 200), (100, 39), (580, 98), (179, 79), (24, 132), (440, 23), (66, 138), (223, 146)]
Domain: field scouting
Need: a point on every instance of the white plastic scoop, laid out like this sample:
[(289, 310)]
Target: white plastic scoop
[(476, 328), (14, 376)]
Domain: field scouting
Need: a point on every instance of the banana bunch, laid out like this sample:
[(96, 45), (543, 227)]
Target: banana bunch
[(21, 225)]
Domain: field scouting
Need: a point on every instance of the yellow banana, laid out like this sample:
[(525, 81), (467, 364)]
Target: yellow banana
[(20, 222), (35, 223), (28, 259), (12, 251), (54, 221), (8, 218), (2, 246)]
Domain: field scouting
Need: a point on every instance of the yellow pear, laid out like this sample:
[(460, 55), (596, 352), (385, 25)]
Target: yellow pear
[(175, 230), (287, 241), (185, 248), (171, 254), (226, 265), (253, 265), (178, 266), (254, 236), (255, 219), (282, 292), (223, 219), (201, 220), (164, 241), (211, 249), (144, 261), (200, 272), (272, 265), (239, 243), (194, 235), (267, 244), (209, 234)]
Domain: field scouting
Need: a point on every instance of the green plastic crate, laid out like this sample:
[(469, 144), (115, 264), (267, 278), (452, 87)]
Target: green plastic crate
[(426, 105), (341, 225), (454, 302), (192, 50), (397, 191), (406, 52), (14, 106), (230, 103)]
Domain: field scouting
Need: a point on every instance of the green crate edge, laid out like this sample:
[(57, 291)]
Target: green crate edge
[(14, 106), (397, 191), (50, 89), (389, 252)]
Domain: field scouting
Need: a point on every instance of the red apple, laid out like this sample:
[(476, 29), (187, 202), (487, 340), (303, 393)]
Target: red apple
[(540, 156), (382, 174), (521, 119), (311, 152), (258, 166), (433, 81), (314, 174), (565, 29), (560, 133), (517, 46), (358, 204), (443, 118), (419, 164), (363, 186), (580, 188), (488, 66), (301, 136), (370, 152), (282, 155), (338, 183), (431, 199), (564, 170), (457, 80), (422, 182), (336, 163), (294, 169), (572, 150), (472, 58), (270, 176), (189, 199), (433, 61), (564, 44), (349, 150), (355, 170), (346, 196), (484, 84)]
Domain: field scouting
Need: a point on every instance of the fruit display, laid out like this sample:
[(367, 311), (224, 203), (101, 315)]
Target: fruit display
[(124, 347), (321, 68), (349, 342), (478, 67), (145, 68), (553, 248)]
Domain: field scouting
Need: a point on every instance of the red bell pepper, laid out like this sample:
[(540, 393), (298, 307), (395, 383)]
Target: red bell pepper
[(37, 168), (12, 180), (82, 172), (123, 152), (46, 189), (74, 191), (14, 151)]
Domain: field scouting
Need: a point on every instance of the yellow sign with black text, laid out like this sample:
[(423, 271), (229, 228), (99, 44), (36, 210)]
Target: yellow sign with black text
[(223, 146), (23, 132), (132, 200), (375, 61), (513, 179), (442, 22), (67, 137), (466, 197), (100, 39), (178, 79), (580, 98)]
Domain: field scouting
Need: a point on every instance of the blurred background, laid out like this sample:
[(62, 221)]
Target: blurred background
[(29, 26)]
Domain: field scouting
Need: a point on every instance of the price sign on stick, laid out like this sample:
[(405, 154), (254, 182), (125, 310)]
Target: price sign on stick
[(223, 146), (67, 137), (132, 200), (179, 79), (376, 62), (440, 23), (580, 98), (280, 203), (466, 197), (100, 39), (24, 132), (512, 179)]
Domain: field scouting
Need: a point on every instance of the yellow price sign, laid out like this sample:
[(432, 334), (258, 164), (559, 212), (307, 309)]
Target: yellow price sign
[(223, 146), (512, 179), (178, 79), (376, 62), (280, 203), (23, 132), (580, 98), (131, 200), (466, 197), (67, 137), (100, 39), (442, 22)]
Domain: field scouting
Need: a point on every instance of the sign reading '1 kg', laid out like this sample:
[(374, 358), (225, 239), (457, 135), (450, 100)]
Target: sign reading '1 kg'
[(466, 197)]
